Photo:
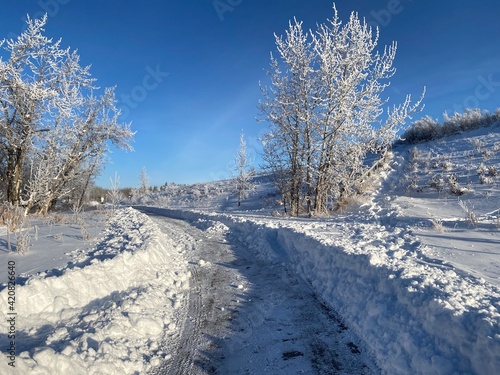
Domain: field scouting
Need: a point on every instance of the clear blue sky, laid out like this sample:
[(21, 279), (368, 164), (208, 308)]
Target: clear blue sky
[(187, 74)]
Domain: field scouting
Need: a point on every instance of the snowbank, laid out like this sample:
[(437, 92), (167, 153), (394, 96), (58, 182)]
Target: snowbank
[(107, 312), (417, 314), (418, 318)]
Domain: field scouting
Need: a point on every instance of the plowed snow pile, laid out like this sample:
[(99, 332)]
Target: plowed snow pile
[(107, 313)]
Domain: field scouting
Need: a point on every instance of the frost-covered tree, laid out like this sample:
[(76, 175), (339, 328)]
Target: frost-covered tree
[(54, 125), (326, 111), (289, 106), (276, 162), (143, 182), (27, 85), (68, 157), (115, 195), (242, 171)]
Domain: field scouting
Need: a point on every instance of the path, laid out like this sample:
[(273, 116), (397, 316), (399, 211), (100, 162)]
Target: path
[(247, 316)]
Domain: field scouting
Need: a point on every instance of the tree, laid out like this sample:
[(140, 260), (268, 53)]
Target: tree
[(242, 171), (275, 160), (324, 108), (115, 195), (289, 107), (27, 85), (75, 148), (54, 125), (143, 182)]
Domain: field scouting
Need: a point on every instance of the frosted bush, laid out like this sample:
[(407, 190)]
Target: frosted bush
[(437, 182), (427, 129)]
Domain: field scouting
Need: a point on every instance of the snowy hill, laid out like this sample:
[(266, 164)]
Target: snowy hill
[(412, 269), (451, 198)]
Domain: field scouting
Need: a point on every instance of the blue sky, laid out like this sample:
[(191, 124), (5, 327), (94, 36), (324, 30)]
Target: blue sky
[(187, 72)]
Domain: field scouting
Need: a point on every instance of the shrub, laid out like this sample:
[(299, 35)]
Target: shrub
[(438, 225), (437, 182), (469, 212), (427, 129), (11, 216), (481, 170), (455, 187)]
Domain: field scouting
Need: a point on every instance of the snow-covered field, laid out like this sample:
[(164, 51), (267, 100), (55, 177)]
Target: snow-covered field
[(412, 272)]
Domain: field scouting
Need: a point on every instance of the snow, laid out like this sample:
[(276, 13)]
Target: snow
[(417, 315), (407, 270), (54, 238), (472, 248), (106, 313)]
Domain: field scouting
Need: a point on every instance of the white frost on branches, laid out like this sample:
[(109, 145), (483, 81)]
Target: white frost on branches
[(326, 111), (54, 125), (242, 171)]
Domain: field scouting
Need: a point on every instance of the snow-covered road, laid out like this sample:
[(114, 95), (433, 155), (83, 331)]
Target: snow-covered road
[(247, 315), (416, 314)]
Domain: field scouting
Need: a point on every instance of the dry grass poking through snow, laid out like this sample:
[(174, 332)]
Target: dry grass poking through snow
[(463, 168)]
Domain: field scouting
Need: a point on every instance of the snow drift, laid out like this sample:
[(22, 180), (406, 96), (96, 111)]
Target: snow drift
[(105, 313)]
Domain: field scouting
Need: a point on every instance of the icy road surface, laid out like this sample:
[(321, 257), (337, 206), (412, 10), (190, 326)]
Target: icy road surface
[(246, 315)]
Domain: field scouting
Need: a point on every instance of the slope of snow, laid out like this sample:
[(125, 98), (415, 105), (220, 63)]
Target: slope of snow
[(104, 314), (462, 230), (53, 239)]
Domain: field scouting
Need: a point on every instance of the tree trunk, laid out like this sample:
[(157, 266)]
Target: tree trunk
[(84, 190), (15, 158), (321, 190), (87, 182)]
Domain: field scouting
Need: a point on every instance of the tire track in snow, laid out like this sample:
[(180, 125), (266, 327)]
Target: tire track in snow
[(183, 360), (205, 311), (183, 347)]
